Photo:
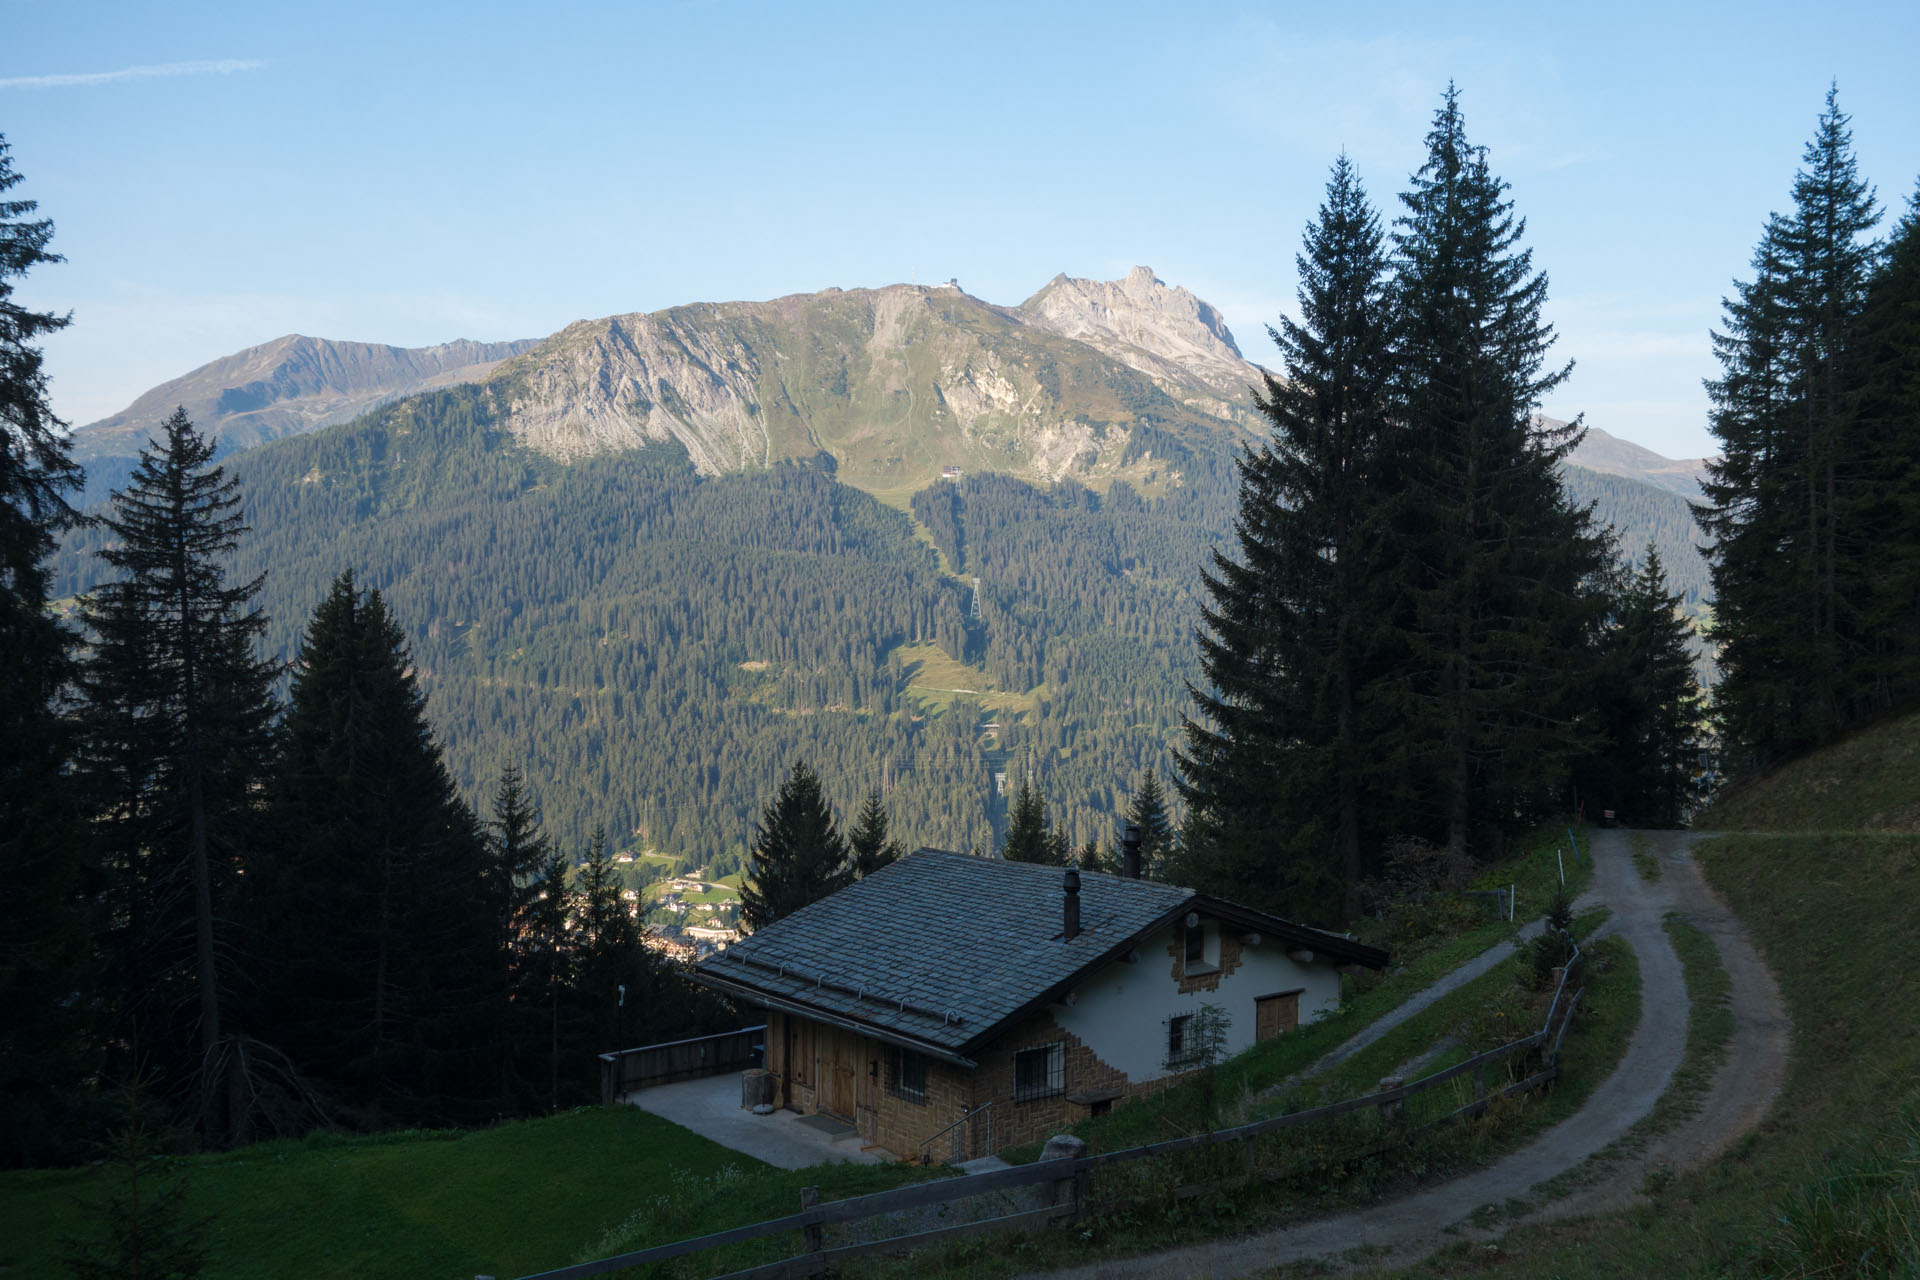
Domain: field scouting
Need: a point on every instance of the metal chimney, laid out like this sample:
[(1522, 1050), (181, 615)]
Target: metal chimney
[(1073, 904), (1130, 853)]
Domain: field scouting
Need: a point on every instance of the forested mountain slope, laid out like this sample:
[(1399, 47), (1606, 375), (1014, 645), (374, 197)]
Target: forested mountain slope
[(656, 647), (657, 558)]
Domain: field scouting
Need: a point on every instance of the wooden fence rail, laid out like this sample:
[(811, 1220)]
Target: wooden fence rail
[(650, 1064), (1069, 1178)]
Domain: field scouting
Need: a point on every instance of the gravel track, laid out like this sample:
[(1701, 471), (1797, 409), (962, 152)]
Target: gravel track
[(1403, 1230)]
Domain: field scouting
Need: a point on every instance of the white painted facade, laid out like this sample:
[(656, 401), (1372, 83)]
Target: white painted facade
[(1121, 1012)]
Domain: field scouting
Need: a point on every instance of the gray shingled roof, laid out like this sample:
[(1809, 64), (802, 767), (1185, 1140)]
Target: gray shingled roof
[(940, 947)]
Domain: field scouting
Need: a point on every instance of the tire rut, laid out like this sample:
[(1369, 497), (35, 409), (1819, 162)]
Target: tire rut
[(1403, 1230)]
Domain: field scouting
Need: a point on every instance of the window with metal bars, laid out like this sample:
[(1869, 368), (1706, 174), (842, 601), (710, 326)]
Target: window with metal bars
[(907, 1076), (1039, 1072)]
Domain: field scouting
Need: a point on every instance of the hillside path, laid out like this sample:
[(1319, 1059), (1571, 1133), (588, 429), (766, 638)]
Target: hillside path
[(1424, 999), (1755, 1066)]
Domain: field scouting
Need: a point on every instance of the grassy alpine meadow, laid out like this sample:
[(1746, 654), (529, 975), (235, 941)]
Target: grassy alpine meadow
[(1865, 782), (508, 1201)]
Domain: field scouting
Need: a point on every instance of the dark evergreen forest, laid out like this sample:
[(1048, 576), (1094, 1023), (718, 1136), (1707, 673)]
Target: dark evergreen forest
[(655, 648)]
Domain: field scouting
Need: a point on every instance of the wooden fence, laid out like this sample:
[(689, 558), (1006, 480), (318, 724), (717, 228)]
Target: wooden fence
[(626, 1069), (1065, 1184)]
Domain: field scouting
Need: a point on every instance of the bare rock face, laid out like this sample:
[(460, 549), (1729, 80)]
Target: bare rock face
[(1148, 325), (892, 384), (605, 386)]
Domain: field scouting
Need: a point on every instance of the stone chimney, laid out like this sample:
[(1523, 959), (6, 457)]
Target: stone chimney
[(1073, 905), (1130, 853)]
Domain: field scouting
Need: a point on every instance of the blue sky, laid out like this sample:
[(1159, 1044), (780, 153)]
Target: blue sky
[(410, 173)]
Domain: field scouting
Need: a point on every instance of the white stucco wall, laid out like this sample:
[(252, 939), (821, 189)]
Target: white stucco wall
[(1121, 1012)]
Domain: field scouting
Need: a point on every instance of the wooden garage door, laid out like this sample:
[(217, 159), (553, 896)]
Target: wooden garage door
[(1276, 1014)]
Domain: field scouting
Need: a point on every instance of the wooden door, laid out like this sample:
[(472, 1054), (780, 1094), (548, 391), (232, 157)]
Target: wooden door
[(1276, 1014), (839, 1063)]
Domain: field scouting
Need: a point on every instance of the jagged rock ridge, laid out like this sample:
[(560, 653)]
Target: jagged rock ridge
[(1162, 331), (894, 383)]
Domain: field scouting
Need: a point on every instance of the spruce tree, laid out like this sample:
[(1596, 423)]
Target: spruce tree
[(519, 852), (176, 709), (1645, 705), (386, 974), (1277, 764), (1030, 837), (550, 963), (45, 912), (1496, 570), (798, 855), (1147, 810), (1884, 404), (1026, 826), (868, 842), (1790, 556)]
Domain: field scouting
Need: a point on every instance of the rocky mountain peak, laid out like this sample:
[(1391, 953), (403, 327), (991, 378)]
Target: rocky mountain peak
[(1160, 329)]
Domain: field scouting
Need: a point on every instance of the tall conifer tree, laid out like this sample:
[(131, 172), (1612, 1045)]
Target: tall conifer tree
[(1884, 656), (519, 853), (1147, 810), (798, 854), (1498, 571), (869, 844), (387, 975), (176, 712), (1790, 556), (1275, 768), (1645, 704), (1030, 837), (45, 918)]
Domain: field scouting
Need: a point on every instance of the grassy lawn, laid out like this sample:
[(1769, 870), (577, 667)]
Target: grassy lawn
[(508, 1201)]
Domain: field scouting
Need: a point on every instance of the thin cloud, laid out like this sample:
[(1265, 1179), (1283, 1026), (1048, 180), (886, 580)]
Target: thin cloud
[(216, 67)]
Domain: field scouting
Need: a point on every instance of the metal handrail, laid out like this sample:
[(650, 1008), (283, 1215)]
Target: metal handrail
[(972, 1113)]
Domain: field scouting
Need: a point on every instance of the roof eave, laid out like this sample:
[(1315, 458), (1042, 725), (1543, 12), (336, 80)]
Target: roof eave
[(801, 1009), (1306, 935)]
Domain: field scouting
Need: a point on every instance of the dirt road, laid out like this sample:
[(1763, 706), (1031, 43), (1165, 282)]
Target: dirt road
[(1755, 1067)]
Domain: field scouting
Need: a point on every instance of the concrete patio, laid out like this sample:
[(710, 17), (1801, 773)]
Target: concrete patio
[(711, 1108)]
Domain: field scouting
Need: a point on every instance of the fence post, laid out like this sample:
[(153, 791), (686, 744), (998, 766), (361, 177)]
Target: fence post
[(1390, 1108), (810, 1235), (1071, 1192)]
